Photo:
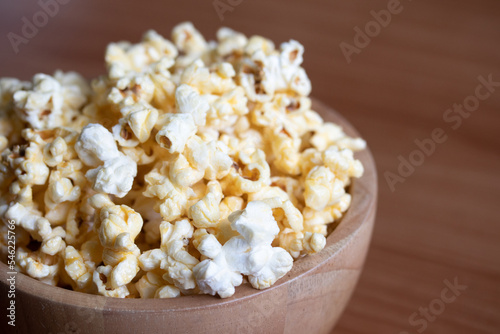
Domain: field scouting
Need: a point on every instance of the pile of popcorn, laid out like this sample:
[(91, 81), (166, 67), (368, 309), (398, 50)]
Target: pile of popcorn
[(190, 168)]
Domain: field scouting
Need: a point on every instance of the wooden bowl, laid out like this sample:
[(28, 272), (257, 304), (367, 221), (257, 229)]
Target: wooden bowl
[(309, 299)]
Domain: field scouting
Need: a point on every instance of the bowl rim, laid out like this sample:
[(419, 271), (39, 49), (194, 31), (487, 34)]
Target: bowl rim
[(363, 205)]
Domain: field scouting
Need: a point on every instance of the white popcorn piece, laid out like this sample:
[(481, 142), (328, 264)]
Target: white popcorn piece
[(250, 253), (188, 39), (259, 43), (179, 263), (188, 100), (115, 177), (178, 129), (136, 126), (95, 145), (52, 101), (230, 41), (124, 58)]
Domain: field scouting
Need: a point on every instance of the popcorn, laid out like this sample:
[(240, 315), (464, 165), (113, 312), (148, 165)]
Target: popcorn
[(190, 167), (188, 100), (76, 268), (322, 188), (248, 178), (206, 213), (249, 254), (139, 120), (51, 101), (95, 145), (178, 129), (115, 177)]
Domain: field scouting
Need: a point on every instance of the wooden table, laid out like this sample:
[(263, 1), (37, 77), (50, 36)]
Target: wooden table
[(438, 226)]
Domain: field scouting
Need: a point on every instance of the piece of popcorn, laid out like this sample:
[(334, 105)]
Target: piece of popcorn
[(124, 58), (76, 268), (291, 241), (205, 213), (230, 42), (101, 279), (285, 148), (250, 253), (151, 259), (116, 220), (95, 145), (173, 199), (52, 101), (64, 184), (115, 177), (343, 164), (26, 164), (136, 126), (214, 275), (316, 221), (178, 129), (259, 43), (54, 152), (188, 39), (322, 188), (314, 242), (226, 70), (188, 100), (27, 217), (124, 272), (289, 215), (167, 291), (40, 266), (179, 263), (200, 159), (225, 109), (148, 284), (199, 76), (253, 175), (331, 134)]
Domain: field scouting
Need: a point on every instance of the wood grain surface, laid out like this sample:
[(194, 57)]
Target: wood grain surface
[(438, 227)]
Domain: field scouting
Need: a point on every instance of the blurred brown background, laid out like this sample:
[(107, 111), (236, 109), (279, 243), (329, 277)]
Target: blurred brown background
[(442, 222)]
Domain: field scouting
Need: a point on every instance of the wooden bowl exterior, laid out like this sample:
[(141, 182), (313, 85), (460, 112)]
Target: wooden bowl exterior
[(309, 299)]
